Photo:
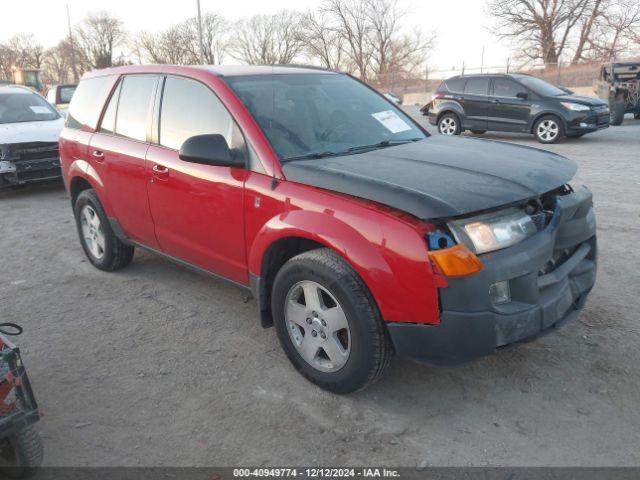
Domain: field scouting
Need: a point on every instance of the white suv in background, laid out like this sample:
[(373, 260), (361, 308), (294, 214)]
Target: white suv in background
[(29, 131)]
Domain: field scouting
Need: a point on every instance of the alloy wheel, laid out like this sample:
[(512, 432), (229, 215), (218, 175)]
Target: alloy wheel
[(317, 326), (92, 232), (448, 126), (548, 130)]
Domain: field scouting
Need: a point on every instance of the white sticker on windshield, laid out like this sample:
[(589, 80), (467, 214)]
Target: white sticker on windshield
[(391, 121), (39, 109)]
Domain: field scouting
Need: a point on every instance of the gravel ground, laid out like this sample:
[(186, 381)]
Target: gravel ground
[(158, 365)]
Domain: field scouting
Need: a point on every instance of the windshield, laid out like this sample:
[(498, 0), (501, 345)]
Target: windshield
[(25, 107), (541, 87), (319, 114)]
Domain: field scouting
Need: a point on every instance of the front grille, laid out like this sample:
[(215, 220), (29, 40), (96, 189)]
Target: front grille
[(33, 151)]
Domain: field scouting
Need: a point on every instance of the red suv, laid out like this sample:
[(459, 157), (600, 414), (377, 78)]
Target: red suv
[(357, 232)]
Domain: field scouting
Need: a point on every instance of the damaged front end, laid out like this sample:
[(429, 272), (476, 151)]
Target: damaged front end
[(523, 290), (22, 163)]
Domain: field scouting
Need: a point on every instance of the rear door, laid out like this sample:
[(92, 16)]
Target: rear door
[(475, 101), (118, 151), (198, 210), (508, 112)]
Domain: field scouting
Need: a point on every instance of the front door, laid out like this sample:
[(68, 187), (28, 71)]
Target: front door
[(508, 111), (197, 209), (475, 102)]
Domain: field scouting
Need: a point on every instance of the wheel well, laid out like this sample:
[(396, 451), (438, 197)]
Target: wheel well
[(442, 114), (279, 253), (547, 114), (78, 184)]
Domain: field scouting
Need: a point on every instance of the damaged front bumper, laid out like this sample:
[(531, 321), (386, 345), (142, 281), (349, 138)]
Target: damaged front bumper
[(29, 162), (549, 276)]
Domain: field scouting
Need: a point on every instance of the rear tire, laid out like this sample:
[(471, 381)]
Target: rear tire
[(101, 245), (318, 300), (21, 453), (548, 129), (636, 115), (450, 124)]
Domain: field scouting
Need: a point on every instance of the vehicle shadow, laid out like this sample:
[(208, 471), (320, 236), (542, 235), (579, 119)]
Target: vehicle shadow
[(32, 189)]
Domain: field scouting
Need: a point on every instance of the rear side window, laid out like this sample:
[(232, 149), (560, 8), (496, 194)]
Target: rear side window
[(503, 87), (477, 86), (87, 102), (189, 108), (133, 107), (455, 85), (108, 124)]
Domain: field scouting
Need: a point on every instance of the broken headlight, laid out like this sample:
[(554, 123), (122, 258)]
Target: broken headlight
[(493, 231)]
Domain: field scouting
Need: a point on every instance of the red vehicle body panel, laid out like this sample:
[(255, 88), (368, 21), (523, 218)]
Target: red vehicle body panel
[(224, 219)]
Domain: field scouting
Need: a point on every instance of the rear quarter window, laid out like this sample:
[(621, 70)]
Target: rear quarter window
[(87, 102), (455, 85)]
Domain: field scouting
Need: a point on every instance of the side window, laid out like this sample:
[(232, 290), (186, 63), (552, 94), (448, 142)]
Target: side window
[(455, 85), (133, 107), (87, 102), (477, 86), (503, 87), (189, 108), (108, 124)]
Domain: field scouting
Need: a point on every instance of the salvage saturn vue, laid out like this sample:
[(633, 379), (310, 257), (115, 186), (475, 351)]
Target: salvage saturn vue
[(357, 232)]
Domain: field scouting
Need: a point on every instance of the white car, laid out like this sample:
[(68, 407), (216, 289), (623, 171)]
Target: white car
[(29, 131)]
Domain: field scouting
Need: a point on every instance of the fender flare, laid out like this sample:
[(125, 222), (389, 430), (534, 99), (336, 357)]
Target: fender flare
[(359, 252), (83, 169)]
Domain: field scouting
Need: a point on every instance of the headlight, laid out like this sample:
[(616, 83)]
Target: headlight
[(576, 107), (493, 231)]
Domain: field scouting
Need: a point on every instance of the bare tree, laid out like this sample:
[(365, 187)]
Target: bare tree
[(595, 10), (321, 41), (215, 40), (541, 27), (168, 46), (616, 30), (98, 36), (268, 39), (353, 28), (179, 43)]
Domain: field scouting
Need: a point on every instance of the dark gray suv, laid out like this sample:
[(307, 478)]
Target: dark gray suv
[(513, 103)]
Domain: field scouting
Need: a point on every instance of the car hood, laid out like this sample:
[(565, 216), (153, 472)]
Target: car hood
[(440, 176), (591, 101), (24, 132)]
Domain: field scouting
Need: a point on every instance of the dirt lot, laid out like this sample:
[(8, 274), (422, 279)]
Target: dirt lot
[(158, 365)]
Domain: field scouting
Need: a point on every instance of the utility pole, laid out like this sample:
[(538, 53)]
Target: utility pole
[(482, 60), (200, 34), (74, 67)]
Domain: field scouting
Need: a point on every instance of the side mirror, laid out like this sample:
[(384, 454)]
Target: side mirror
[(522, 95), (209, 149)]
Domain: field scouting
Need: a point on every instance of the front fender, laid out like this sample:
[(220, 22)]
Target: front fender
[(391, 261)]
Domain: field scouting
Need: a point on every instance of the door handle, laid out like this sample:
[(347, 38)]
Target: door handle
[(495, 100), (160, 172), (98, 155)]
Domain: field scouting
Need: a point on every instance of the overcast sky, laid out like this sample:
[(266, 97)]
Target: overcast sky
[(462, 25)]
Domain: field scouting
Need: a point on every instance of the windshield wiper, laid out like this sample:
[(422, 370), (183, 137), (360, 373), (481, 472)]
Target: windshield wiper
[(382, 144), (311, 156)]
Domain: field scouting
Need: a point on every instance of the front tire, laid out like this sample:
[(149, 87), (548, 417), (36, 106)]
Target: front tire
[(101, 245), (548, 129), (328, 323), (617, 111), (450, 124)]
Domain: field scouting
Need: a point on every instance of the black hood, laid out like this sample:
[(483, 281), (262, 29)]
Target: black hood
[(440, 176), (591, 101)]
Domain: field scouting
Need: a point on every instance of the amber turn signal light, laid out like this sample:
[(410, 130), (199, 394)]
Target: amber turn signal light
[(456, 261)]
